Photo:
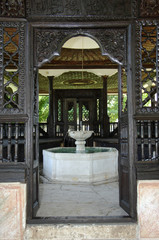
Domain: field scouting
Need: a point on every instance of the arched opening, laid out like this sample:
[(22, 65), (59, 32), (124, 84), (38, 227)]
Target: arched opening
[(78, 91)]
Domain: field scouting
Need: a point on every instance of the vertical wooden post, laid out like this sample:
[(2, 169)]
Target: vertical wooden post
[(16, 142), (1, 142), (51, 123), (9, 142), (105, 119)]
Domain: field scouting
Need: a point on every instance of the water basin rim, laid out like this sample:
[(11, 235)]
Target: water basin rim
[(55, 150)]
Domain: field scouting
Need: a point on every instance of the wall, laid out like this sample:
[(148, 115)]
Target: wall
[(12, 211), (13, 219)]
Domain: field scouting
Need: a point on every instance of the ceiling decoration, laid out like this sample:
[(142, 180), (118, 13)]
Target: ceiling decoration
[(72, 58), (73, 80)]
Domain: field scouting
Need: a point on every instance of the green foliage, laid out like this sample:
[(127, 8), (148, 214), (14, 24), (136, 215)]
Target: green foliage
[(145, 96), (112, 108), (112, 105), (43, 108)]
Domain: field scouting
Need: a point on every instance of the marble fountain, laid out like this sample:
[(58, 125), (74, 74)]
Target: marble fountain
[(81, 164)]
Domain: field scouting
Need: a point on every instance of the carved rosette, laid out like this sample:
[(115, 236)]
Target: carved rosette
[(14, 8), (149, 8), (49, 42)]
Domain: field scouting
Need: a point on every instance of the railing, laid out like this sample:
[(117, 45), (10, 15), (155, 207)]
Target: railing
[(147, 140), (113, 126), (12, 142), (59, 129), (13, 130), (43, 129)]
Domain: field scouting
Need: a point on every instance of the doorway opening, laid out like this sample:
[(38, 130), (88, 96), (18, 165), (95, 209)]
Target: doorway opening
[(79, 91)]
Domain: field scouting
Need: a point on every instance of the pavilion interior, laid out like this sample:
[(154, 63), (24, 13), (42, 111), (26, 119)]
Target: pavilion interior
[(78, 86), (81, 87)]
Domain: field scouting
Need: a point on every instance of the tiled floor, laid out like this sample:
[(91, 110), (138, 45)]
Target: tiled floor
[(79, 200)]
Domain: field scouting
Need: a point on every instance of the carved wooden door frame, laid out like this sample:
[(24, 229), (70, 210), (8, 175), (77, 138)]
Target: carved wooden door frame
[(114, 41)]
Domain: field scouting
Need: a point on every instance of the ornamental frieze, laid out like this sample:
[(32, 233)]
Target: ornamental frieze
[(81, 8)]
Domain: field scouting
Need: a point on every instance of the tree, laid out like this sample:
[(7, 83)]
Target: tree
[(43, 108)]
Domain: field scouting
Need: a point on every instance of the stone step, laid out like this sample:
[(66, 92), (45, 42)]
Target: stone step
[(82, 232)]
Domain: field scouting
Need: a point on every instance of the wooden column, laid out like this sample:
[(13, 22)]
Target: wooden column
[(51, 117), (105, 117)]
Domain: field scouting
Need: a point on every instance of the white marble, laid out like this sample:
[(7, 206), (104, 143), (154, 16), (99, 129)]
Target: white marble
[(81, 167), (12, 210), (57, 199), (80, 137)]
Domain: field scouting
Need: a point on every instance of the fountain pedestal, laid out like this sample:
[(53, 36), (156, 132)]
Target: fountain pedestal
[(80, 137), (80, 146)]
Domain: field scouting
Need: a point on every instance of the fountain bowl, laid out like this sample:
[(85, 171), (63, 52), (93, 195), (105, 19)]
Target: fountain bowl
[(80, 135)]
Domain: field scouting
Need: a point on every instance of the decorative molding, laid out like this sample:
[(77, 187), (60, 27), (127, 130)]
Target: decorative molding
[(14, 8), (14, 118), (49, 42), (22, 67), (135, 8), (36, 93), (138, 64), (1, 67)]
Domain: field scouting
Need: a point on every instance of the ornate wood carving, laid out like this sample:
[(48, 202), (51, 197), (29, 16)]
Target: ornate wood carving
[(111, 41), (12, 8), (36, 93), (12, 54), (138, 66), (147, 53), (149, 8), (100, 9)]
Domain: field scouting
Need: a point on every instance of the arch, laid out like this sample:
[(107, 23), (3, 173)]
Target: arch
[(112, 43)]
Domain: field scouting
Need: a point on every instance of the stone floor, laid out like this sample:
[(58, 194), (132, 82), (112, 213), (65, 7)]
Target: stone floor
[(79, 200)]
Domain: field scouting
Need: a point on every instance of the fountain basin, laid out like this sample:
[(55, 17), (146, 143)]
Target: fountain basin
[(93, 166)]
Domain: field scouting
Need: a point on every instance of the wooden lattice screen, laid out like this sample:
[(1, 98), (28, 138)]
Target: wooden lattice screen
[(12, 95), (147, 90)]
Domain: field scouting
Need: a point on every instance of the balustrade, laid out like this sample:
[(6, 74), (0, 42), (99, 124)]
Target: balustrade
[(12, 142), (147, 140)]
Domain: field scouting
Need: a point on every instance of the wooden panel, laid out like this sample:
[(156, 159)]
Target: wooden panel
[(13, 173), (35, 190), (124, 188)]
